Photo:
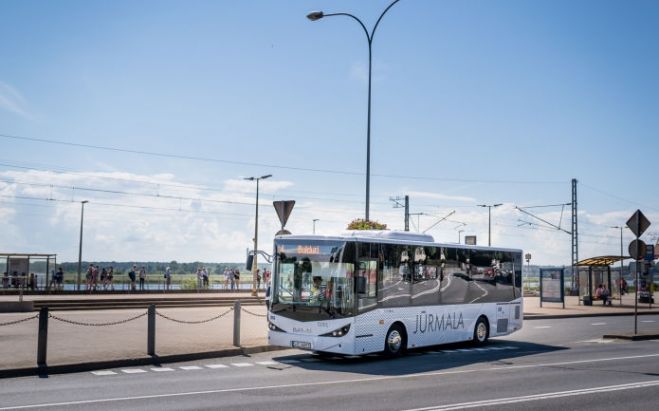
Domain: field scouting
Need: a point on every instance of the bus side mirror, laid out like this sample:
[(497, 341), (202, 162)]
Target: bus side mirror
[(360, 285)]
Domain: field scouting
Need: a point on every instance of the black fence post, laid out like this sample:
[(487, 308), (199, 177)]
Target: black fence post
[(42, 345), (236, 323), (151, 332)]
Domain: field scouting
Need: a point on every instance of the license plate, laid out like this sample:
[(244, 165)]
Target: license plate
[(301, 344)]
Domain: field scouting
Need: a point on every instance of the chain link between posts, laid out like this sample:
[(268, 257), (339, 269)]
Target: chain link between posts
[(64, 320), (254, 314), (159, 314), (19, 321)]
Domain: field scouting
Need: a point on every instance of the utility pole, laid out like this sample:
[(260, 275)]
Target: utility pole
[(489, 220), (397, 204)]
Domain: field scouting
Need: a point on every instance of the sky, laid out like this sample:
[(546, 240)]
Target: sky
[(156, 111)]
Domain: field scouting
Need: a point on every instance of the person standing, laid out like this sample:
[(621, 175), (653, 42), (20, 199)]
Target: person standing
[(168, 278), (111, 278), (104, 278), (142, 278), (204, 278), (88, 278), (132, 275), (59, 278), (258, 279), (236, 277)]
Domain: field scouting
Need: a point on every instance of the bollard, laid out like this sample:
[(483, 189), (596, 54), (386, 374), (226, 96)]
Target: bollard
[(42, 344), (236, 323), (151, 331)]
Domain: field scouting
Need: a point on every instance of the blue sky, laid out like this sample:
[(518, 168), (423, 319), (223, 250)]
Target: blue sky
[(473, 102)]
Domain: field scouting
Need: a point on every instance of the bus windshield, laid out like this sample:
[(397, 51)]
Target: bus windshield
[(312, 277)]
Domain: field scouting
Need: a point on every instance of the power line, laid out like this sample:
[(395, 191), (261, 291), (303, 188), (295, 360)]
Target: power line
[(276, 166)]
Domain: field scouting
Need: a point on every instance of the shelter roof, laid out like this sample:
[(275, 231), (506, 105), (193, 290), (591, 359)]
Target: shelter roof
[(603, 260)]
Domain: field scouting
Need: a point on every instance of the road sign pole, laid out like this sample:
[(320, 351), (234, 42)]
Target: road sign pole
[(636, 301)]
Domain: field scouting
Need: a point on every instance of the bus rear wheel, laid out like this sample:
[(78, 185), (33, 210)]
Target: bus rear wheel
[(481, 331), (395, 342)]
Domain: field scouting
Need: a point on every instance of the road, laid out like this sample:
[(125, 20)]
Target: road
[(550, 364)]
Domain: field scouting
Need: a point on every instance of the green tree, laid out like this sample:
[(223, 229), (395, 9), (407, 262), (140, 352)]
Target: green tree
[(361, 224)]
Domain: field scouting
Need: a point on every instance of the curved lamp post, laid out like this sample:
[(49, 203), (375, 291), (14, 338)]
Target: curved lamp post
[(317, 15), (256, 231)]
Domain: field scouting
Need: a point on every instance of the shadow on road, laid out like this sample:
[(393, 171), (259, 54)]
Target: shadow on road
[(427, 359)]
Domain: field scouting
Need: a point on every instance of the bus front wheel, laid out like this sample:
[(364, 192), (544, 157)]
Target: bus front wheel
[(395, 342), (481, 331)]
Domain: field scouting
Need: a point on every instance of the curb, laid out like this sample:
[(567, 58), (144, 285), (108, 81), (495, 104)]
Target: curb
[(134, 362), (631, 337), (530, 317)]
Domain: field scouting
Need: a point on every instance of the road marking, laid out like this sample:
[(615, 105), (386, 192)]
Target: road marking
[(162, 369), (598, 324), (133, 371), (449, 351), (648, 321), (465, 349), (216, 366), (540, 327), (597, 340), (310, 359), (321, 383), (294, 361), (190, 367), (539, 397), (104, 372), (242, 364), (266, 362)]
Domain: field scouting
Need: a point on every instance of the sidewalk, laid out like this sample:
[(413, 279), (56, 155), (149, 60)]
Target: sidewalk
[(573, 308), (124, 343)]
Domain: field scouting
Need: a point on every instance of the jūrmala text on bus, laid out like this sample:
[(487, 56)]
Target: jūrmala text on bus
[(387, 291)]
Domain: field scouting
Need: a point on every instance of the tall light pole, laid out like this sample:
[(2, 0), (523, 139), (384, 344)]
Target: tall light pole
[(82, 219), (256, 230), (489, 220), (314, 224), (621, 265), (459, 236), (317, 15)]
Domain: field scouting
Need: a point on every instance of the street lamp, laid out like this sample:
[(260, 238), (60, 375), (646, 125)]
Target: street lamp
[(314, 224), (489, 221), (317, 15), (82, 218), (621, 265), (256, 230)]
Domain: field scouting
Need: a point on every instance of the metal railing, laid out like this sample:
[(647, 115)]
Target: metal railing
[(151, 314)]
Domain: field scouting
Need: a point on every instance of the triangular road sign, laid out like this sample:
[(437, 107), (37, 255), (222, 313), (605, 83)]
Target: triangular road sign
[(283, 209), (638, 223)]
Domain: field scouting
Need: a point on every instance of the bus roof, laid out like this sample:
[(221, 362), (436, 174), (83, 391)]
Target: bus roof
[(390, 237)]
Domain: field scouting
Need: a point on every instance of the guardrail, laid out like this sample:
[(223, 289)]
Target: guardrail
[(44, 316)]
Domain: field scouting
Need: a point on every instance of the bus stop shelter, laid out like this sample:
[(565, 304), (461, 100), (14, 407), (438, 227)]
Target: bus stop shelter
[(18, 266), (595, 271)]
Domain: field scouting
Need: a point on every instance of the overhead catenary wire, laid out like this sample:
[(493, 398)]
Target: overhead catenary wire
[(267, 165)]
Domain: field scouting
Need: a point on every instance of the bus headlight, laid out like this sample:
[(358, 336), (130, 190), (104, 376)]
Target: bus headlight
[(339, 332), (273, 327)]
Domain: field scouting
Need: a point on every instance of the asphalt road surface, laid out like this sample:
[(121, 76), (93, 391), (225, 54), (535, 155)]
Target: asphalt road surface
[(550, 364)]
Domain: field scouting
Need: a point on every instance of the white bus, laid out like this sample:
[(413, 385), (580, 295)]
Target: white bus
[(387, 291)]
